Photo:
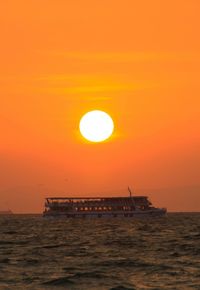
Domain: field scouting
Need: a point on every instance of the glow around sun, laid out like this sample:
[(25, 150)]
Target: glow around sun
[(96, 126)]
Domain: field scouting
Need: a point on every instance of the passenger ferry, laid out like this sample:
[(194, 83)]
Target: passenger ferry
[(99, 207)]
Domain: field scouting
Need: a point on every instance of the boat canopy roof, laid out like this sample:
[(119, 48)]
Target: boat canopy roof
[(94, 198)]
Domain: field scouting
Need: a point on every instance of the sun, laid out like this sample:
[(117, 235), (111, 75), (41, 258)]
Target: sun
[(96, 126)]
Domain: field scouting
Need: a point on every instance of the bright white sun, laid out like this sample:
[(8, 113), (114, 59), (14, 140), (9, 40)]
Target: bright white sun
[(96, 126)]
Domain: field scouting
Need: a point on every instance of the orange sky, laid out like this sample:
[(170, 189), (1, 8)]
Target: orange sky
[(137, 60)]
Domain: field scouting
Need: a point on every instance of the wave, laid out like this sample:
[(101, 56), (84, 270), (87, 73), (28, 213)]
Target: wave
[(62, 281), (122, 288)]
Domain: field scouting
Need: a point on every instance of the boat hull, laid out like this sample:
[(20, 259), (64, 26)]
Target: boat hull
[(131, 214)]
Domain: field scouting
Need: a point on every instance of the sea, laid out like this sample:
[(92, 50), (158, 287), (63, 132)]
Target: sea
[(100, 254)]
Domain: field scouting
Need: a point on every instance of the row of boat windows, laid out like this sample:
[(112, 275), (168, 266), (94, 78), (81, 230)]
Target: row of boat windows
[(105, 208), (98, 215), (107, 200)]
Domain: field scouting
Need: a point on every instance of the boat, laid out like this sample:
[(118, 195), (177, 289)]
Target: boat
[(99, 207)]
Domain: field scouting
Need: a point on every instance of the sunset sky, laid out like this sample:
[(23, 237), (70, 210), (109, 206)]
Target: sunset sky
[(137, 60)]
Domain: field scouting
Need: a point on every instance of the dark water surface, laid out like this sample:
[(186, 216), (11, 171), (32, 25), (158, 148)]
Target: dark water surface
[(161, 253)]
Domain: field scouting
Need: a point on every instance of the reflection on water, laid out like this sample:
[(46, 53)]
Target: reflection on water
[(99, 254)]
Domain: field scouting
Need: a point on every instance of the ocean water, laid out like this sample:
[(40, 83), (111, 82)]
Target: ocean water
[(156, 253)]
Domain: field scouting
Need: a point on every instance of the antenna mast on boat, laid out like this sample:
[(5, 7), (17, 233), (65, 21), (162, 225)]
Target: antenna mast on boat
[(132, 199), (130, 191)]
